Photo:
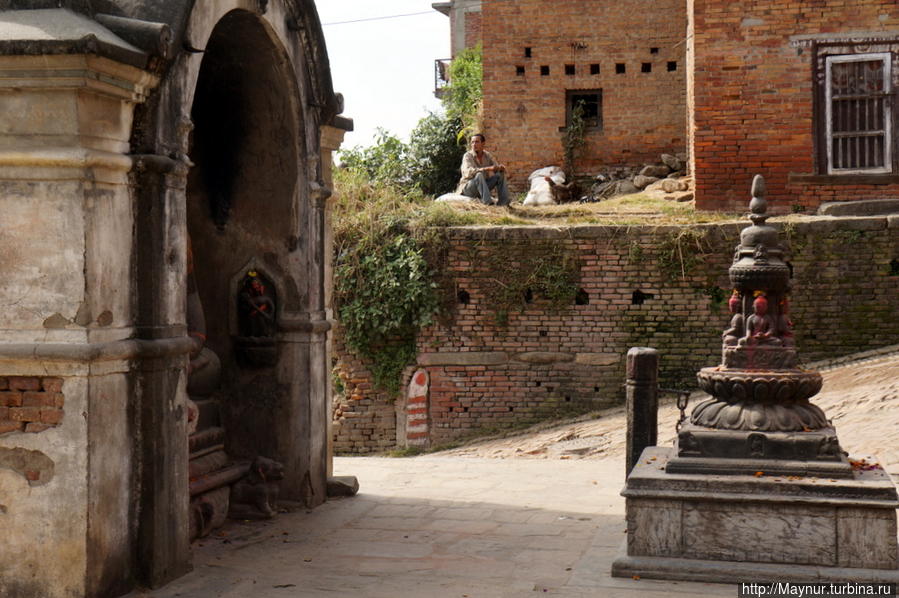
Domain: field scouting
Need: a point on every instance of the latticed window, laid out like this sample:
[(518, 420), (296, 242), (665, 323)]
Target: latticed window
[(859, 106)]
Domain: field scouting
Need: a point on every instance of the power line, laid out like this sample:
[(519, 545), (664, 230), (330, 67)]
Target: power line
[(411, 14)]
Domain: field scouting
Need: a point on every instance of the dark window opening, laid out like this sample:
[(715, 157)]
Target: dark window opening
[(567, 399), (519, 70), (620, 68), (569, 69), (653, 50), (544, 70), (638, 297), (894, 268), (527, 52), (510, 409), (581, 297), (590, 102), (537, 383), (464, 409), (646, 67), (594, 69), (528, 295), (595, 389), (463, 296), (858, 97), (543, 333), (672, 66)]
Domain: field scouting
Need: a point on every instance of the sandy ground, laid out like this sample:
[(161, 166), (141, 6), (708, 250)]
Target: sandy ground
[(861, 398)]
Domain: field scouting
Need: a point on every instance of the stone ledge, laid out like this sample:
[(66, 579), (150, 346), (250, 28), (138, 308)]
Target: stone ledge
[(670, 568), (464, 358), (543, 357), (597, 358), (92, 352)]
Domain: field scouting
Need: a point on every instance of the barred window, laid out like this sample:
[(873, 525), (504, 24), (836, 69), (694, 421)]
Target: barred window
[(859, 114)]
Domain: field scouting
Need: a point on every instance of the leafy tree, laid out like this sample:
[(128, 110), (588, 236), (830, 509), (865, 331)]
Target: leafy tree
[(435, 154), (463, 95), (385, 161)]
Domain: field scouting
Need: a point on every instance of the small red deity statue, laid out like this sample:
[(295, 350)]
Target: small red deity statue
[(736, 331), (760, 327), (257, 308)]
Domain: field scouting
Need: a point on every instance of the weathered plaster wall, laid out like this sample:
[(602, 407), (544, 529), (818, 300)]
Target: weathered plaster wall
[(753, 96), (643, 112), (662, 287), (65, 244)]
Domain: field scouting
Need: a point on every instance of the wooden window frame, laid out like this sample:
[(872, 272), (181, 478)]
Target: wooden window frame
[(888, 133)]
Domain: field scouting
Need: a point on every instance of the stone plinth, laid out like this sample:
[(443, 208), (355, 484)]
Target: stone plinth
[(722, 528)]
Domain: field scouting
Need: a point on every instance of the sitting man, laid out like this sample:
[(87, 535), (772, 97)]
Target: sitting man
[(481, 173)]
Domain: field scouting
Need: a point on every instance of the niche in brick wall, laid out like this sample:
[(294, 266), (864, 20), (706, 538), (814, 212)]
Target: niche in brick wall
[(894, 268), (30, 404), (638, 297)]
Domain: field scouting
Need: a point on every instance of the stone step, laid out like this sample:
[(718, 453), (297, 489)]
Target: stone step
[(203, 439), (218, 478), (208, 463)]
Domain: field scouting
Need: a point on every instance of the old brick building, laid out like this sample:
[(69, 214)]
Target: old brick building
[(800, 92), (624, 60)]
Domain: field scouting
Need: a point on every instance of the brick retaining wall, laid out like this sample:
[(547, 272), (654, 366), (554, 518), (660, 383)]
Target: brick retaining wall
[(663, 287)]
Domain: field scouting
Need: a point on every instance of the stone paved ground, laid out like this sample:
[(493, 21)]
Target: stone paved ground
[(544, 520), (435, 527)]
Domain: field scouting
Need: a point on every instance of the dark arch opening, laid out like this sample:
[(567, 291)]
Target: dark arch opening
[(244, 217), (245, 148)]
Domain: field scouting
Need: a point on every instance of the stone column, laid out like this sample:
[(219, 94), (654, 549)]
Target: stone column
[(331, 138), (65, 355), (642, 402)]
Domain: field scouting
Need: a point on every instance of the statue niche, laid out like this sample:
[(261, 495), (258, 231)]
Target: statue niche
[(256, 321)]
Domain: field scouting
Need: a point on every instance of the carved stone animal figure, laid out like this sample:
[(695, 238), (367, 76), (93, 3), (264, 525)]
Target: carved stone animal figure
[(256, 495)]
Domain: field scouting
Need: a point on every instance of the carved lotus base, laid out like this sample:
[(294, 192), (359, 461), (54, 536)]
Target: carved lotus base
[(732, 386), (769, 417)]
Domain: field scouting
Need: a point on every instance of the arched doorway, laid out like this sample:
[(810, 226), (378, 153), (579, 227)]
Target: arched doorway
[(244, 203)]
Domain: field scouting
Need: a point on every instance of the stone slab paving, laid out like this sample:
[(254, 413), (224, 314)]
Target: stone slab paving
[(437, 526)]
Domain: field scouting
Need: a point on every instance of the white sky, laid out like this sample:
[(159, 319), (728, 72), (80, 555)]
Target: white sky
[(384, 68)]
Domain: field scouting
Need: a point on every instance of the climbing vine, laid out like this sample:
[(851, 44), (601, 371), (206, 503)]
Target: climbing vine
[(573, 138), (681, 251), (547, 272)]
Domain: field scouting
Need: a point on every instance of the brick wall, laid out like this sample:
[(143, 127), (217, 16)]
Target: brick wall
[(491, 367), (363, 417), (643, 113), (473, 22), (753, 97), (30, 404)]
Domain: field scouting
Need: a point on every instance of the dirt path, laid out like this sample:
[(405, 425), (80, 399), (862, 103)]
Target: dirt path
[(862, 400)]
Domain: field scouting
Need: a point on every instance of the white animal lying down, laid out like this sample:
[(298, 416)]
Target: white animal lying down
[(541, 182)]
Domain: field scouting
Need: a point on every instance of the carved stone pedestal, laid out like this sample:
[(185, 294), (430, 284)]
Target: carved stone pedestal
[(728, 528), (801, 453)]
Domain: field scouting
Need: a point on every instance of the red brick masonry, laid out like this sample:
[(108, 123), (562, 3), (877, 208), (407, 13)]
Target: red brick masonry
[(30, 404)]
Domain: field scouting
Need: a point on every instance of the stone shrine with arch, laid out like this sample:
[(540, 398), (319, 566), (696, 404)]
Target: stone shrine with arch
[(156, 158)]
